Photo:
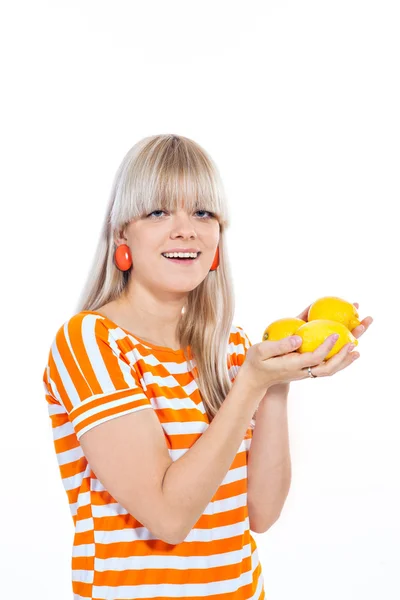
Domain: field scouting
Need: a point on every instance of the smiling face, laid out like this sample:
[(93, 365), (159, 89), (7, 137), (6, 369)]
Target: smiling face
[(162, 231)]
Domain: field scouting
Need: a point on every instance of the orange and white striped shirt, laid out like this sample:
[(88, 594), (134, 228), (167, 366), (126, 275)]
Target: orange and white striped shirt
[(97, 371)]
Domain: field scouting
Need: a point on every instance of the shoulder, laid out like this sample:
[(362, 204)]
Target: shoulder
[(83, 325), (82, 337)]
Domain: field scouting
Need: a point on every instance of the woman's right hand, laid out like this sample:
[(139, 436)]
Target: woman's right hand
[(270, 363)]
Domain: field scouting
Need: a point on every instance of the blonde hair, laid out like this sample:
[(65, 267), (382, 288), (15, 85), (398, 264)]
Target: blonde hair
[(154, 175)]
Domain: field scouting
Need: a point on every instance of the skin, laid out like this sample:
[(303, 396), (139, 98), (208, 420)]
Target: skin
[(342, 359), (158, 289)]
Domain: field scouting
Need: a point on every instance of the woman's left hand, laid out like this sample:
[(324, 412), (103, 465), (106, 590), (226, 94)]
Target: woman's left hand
[(337, 362)]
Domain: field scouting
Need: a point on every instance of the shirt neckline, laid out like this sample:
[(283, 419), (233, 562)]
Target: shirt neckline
[(179, 352)]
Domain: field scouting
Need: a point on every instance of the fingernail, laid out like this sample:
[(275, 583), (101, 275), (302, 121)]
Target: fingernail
[(335, 337), (351, 347)]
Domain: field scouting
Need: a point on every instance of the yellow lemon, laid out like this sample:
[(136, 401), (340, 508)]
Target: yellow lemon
[(281, 328), (335, 309), (314, 333)]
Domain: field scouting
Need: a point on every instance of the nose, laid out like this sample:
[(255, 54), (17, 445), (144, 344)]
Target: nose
[(182, 224)]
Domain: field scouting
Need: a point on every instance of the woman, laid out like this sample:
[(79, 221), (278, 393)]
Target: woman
[(159, 497)]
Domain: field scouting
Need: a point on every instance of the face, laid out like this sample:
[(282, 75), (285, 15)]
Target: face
[(163, 231)]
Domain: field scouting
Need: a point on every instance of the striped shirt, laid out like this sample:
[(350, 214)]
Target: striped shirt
[(97, 371)]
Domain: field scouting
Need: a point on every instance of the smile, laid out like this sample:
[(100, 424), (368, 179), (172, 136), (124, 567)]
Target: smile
[(185, 262)]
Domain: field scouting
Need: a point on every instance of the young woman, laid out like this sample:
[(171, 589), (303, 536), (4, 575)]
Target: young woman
[(160, 498)]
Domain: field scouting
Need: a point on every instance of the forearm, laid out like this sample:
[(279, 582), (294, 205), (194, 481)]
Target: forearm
[(191, 481), (269, 464)]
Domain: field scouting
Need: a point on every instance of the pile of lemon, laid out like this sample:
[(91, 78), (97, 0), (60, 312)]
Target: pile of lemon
[(326, 316)]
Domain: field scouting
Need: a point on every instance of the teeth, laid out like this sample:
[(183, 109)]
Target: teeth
[(180, 254)]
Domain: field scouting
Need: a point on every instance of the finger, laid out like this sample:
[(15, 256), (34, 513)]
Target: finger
[(310, 359), (323, 349), (358, 331), (356, 305), (362, 328), (340, 361), (326, 368), (304, 314)]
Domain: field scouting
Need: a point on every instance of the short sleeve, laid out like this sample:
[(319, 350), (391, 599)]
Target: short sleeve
[(246, 340), (239, 344), (89, 375)]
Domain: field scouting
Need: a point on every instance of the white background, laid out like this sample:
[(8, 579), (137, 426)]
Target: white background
[(298, 104)]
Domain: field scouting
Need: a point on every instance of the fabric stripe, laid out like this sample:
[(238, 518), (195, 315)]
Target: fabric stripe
[(97, 371)]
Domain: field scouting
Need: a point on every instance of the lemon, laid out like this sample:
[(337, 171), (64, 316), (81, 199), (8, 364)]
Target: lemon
[(315, 332), (277, 330), (335, 309)]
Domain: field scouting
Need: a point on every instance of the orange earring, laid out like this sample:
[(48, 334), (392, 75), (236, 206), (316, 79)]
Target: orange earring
[(215, 264), (123, 257)]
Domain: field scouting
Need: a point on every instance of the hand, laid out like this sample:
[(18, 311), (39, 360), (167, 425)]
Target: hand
[(274, 362), (342, 359), (336, 363)]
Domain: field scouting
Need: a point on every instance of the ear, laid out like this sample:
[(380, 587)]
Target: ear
[(119, 237)]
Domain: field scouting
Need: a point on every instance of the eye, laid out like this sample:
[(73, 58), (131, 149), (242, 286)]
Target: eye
[(155, 211), (206, 211), (199, 211)]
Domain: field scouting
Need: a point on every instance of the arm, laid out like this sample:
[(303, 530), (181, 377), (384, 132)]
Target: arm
[(269, 465), (191, 481)]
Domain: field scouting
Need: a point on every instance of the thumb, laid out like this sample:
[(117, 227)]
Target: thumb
[(290, 343), (283, 346)]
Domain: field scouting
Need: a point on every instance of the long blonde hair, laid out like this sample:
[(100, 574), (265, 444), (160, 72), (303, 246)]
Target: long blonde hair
[(154, 175)]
